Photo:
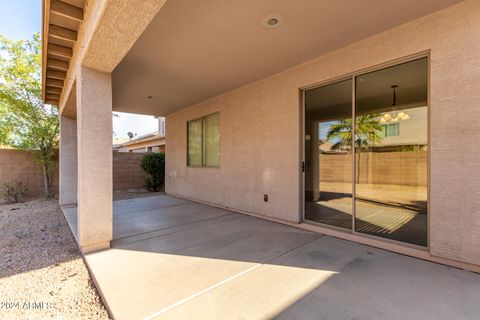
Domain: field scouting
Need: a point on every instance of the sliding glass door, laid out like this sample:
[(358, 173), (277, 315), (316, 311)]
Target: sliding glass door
[(369, 176)]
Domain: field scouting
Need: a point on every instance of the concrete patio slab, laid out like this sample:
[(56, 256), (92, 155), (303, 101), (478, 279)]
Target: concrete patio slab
[(192, 261), (335, 279)]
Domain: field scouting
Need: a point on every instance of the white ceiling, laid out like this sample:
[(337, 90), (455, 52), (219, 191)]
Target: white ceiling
[(194, 50)]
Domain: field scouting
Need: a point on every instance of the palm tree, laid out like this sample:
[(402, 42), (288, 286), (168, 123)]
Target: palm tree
[(367, 131)]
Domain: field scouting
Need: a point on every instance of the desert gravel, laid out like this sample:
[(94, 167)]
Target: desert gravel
[(42, 274)]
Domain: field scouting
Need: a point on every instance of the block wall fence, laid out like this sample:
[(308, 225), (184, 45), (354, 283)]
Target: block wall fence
[(399, 168), (16, 165)]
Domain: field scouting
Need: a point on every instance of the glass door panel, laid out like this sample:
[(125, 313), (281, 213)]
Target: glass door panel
[(391, 152), (328, 154)]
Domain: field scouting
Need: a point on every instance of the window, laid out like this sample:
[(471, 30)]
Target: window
[(391, 130), (203, 146)]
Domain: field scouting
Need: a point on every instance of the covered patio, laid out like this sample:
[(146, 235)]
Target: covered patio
[(233, 89), (176, 259)]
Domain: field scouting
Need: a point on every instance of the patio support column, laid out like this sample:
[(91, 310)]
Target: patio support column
[(68, 161), (94, 127)]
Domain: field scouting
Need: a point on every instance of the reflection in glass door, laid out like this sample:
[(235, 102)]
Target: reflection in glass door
[(385, 161), (391, 152), (328, 154)]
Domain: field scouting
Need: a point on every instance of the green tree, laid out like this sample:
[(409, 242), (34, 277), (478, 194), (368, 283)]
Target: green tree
[(25, 122), (368, 131)]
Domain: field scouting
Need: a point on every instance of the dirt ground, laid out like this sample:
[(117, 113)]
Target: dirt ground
[(42, 274)]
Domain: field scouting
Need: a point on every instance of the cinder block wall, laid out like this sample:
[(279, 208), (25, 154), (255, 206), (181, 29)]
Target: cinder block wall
[(402, 168), (16, 165), (127, 172)]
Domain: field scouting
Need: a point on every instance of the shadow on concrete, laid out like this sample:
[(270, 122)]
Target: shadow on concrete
[(197, 257)]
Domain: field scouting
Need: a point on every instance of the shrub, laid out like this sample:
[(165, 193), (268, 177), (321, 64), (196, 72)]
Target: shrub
[(154, 165), (13, 191)]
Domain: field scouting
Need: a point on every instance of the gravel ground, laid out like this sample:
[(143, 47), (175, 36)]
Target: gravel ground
[(42, 274)]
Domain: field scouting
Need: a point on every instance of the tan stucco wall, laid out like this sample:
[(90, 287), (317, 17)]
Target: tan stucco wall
[(67, 164), (94, 154), (260, 130)]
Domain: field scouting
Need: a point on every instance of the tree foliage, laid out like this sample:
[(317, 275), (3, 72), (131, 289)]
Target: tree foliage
[(25, 122), (154, 165), (367, 131)]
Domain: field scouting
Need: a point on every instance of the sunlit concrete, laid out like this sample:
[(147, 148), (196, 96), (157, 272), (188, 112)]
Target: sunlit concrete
[(175, 259)]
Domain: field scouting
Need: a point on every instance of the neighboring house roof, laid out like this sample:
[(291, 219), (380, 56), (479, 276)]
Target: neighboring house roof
[(120, 140), (117, 142), (152, 139), (325, 146), (145, 138)]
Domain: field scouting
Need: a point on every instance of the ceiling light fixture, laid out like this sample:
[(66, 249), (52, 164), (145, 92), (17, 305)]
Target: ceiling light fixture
[(272, 20)]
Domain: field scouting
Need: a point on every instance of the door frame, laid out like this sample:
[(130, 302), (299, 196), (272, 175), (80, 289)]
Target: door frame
[(345, 233)]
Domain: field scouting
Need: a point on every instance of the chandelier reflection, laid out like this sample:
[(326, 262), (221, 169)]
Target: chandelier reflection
[(394, 116)]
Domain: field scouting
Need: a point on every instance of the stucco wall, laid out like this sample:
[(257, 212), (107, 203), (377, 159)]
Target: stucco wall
[(260, 130)]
